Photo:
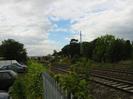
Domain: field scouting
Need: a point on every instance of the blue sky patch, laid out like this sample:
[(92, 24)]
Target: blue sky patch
[(60, 35)]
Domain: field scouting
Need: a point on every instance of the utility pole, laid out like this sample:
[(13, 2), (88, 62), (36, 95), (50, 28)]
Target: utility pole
[(81, 46)]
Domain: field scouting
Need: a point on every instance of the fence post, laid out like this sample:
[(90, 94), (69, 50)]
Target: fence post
[(71, 96)]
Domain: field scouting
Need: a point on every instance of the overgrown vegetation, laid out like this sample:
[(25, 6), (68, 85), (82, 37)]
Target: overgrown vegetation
[(29, 85), (104, 52), (77, 82), (103, 49)]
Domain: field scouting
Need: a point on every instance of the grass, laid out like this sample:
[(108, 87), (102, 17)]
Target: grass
[(29, 85)]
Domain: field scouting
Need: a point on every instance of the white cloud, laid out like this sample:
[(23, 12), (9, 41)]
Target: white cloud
[(27, 20), (115, 21), (97, 17), (43, 48)]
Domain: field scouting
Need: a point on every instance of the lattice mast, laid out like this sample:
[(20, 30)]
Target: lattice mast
[(81, 45)]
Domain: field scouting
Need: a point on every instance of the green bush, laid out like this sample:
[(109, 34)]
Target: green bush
[(29, 85), (77, 81), (74, 85), (18, 91)]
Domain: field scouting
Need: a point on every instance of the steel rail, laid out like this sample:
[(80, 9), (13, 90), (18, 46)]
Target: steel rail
[(119, 84), (111, 70)]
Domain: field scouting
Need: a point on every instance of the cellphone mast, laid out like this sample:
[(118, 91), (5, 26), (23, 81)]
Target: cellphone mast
[(81, 46)]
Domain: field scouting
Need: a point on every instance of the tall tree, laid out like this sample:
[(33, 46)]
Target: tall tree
[(128, 49), (102, 48), (72, 50), (13, 50)]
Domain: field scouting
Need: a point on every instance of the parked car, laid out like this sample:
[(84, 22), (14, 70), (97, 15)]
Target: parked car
[(7, 78), (15, 67), (4, 95)]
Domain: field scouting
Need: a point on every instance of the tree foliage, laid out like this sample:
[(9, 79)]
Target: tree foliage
[(71, 50), (103, 49), (110, 49), (77, 82), (13, 50)]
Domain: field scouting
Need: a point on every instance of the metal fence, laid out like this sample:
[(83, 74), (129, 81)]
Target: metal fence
[(52, 90)]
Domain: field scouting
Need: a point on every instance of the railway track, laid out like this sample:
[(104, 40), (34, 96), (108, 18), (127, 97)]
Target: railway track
[(119, 80), (117, 74), (116, 70), (118, 84), (62, 68)]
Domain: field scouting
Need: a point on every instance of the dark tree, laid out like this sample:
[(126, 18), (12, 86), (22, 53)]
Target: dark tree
[(103, 49), (73, 41), (109, 49), (72, 50), (88, 48), (128, 49), (66, 50), (13, 50), (0, 52)]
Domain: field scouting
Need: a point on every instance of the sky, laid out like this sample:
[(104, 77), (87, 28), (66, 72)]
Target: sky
[(47, 25)]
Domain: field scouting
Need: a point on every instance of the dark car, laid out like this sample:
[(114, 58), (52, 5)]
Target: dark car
[(15, 67), (4, 95), (7, 78)]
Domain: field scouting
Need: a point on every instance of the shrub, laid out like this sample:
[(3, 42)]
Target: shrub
[(77, 81), (29, 85)]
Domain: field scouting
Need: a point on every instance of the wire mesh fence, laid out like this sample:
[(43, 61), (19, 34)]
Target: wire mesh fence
[(52, 90)]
